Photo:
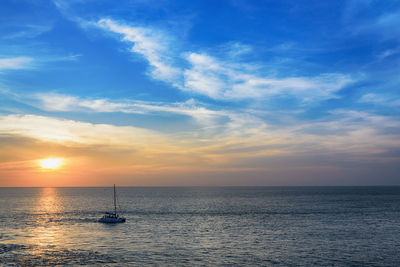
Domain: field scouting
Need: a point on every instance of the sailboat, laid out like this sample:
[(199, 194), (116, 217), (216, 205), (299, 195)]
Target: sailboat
[(112, 217)]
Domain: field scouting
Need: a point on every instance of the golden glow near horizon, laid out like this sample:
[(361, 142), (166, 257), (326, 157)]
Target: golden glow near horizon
[(36, 149), (51, 163)]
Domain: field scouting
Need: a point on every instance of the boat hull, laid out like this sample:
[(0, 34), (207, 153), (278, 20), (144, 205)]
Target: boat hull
[(112, 220)]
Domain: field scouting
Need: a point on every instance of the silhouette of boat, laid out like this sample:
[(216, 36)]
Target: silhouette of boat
[(112, 217)]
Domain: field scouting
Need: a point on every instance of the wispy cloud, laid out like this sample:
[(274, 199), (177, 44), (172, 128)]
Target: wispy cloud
[(380, 99), (215, 78), (15, 63), (70, 131), (387, 24), (60, 102), (388, 53), (152, 44), (28, 31), (236, 49), (70, 57), (227, 80), (384, 25)]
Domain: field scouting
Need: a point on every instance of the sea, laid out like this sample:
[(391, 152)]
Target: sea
[(201, 226)]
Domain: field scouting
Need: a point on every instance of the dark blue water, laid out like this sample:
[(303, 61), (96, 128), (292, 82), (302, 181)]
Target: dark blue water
[(202, 226)]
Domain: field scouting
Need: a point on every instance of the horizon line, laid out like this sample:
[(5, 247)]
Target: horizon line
[(204, 186)]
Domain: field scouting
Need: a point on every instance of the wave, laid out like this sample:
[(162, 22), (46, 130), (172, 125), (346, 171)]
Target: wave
[(35, 255)]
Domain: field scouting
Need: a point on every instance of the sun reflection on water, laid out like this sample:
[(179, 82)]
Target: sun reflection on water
[(52, 233), (49, 201), (48, 211)]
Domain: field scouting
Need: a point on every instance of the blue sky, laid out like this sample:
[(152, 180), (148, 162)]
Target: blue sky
[(241, 92)]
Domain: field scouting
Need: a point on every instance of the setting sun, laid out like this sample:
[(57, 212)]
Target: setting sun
[(51, 163)]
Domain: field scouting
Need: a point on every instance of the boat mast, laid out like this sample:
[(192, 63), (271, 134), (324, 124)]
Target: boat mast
[(115, 203)]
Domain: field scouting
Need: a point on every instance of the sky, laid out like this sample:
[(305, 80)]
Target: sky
[(200, 93)]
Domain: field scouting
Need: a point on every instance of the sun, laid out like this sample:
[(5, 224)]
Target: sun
[(51, 163)]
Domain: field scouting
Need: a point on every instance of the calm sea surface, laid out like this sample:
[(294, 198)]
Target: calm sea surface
[(202, 226)]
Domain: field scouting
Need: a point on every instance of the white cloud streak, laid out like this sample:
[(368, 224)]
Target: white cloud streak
[(217, 79), (153, 45), (223, 80), (29, 31), (69, 131), (379, 99), (389, 53), (15, 63), (60, 102)]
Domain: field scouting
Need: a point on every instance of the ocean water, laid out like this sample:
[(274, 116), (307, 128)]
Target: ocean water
[(241, 226)]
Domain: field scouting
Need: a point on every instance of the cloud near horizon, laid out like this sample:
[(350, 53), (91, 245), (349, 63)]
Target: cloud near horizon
[(255, 149)]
